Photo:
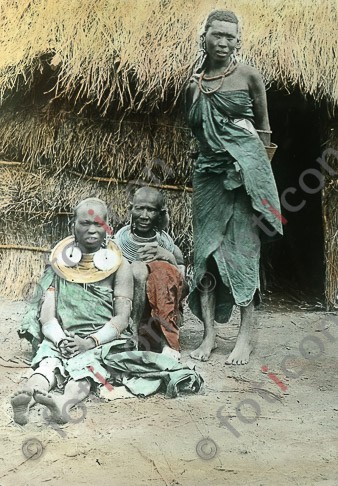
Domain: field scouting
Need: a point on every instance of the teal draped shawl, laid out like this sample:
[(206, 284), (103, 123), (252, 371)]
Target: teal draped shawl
[(232, 179)]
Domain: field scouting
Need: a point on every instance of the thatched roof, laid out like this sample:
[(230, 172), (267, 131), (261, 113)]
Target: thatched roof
[(138, 54)]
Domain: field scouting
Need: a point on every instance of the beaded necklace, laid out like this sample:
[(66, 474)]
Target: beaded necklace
[(131, 243), (230, 69)]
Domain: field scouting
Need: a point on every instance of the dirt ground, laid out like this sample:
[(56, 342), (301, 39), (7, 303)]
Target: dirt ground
[(245, 428)]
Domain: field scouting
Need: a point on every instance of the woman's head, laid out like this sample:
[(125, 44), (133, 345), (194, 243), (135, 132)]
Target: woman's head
[(90, 224), (148, 211), (220, 15), (221, 36)]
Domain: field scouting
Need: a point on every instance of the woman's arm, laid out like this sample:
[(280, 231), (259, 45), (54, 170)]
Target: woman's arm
[(50, 326), (179, 259), (260, 106), (191, 94), (123, 296)]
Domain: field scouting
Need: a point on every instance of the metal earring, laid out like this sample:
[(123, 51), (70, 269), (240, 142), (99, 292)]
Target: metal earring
[(105, 259), (203, 43), (71, 255)]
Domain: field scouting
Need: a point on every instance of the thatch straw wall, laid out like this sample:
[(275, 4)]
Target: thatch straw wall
[(123, 149), (95, 88)]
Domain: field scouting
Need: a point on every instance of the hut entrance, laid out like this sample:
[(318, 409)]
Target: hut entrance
[(296, 262)]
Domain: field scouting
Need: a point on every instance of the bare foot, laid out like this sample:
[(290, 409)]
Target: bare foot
[(240, 354), (54, 405), (204, 350), (172, 353), (20, 402)]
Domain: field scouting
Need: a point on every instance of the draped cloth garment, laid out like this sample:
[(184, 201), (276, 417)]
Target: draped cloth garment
[(233, 182), (85, 309), (82, 310)]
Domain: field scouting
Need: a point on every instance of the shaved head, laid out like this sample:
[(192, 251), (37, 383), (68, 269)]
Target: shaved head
[(221, 15), (152, 193), (93, 205)]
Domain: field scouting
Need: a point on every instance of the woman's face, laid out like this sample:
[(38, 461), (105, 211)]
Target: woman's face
[(145, 213), (221, 40), (90, 232)]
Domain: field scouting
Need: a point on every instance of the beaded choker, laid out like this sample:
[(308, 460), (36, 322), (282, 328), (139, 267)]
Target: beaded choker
[(230, 69), (131, 243)]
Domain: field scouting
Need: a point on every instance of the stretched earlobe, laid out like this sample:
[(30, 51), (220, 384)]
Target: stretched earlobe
[(131, 224), (203, 43)]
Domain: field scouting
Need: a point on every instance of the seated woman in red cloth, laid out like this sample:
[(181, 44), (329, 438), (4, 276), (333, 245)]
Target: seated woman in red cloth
[(158, 270)]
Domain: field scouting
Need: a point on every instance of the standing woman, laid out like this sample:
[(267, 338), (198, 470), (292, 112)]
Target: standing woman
[(235, 196)]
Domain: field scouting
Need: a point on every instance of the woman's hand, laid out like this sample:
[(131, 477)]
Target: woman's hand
[(148, 252), (63, 347), (152, 251), (75, 345), (165, 255)]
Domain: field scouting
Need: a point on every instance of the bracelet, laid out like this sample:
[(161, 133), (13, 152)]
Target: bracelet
[(263, 131), (53, 331), (94, 338), (122, 297), (115, 326), (60, 342)]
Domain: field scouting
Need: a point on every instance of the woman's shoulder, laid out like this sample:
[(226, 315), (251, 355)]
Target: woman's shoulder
[(249, 71), (165, 240)]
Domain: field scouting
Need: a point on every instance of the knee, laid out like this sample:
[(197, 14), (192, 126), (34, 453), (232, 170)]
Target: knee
[(140, 272)]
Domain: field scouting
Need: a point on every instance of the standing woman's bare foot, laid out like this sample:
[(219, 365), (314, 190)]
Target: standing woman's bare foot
[(203, 352), (20, 403), (240, 354), (55, 406)]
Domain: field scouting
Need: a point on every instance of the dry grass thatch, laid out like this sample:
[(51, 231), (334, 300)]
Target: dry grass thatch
[(67, 60), (126, 149), (136, 55), (38, 194)]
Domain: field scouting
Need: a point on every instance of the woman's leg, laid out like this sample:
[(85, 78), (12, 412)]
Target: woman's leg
[(59, 405), (43, 379), (243, 348), (207, 296)]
